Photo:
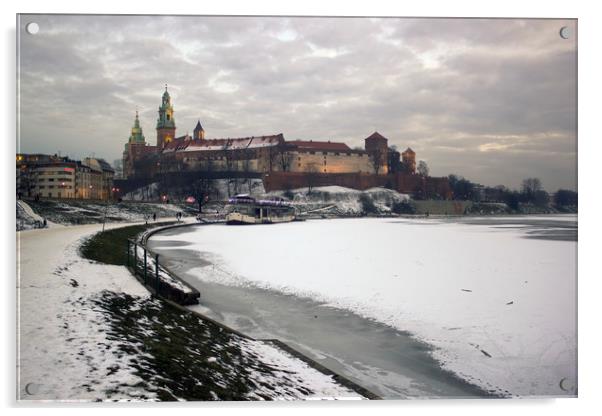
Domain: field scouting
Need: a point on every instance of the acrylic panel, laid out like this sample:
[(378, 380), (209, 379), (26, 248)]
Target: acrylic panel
[(295, 208)]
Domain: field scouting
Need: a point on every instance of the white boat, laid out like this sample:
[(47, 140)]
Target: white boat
[(244, 209)]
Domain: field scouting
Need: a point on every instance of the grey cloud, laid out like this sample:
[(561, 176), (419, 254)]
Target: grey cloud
[(472, 97)]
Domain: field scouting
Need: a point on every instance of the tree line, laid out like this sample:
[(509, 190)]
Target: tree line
[(531, 192)]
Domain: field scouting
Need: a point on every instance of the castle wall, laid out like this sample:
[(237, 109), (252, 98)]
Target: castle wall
[(331, 162)]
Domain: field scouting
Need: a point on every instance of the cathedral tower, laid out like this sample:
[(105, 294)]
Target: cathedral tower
[(166, 125), (136, 136)]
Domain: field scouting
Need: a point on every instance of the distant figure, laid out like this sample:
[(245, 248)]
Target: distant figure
[(146, 219), (154, 216), (37, 198), (45, 222)]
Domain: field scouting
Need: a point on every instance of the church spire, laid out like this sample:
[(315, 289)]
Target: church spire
[(199, 132), (136, 135)]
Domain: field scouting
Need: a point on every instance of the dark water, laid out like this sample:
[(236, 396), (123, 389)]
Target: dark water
[(386, 361)]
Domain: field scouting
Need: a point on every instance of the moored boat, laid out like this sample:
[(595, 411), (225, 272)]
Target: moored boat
[(244, 209)]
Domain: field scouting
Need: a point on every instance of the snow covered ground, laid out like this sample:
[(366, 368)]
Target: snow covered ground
[(498, 305), (70, 347), (60, 339), (340, 201)]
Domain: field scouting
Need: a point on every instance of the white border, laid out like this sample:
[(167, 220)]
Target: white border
[(590, 202)]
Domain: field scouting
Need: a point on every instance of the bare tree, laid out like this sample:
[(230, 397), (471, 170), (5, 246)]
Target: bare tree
[(285, 161), (312, 175), (202, 189), (531, 185), (423, 168), (377, 159)]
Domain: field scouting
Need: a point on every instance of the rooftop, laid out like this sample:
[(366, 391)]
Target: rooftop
[(319, 146)]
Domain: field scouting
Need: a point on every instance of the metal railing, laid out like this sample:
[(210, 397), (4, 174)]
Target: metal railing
[(145, 266)]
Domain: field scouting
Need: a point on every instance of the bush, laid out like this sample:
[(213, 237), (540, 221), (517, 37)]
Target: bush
[(288, 194), (403, 207), (565, 198), (368, 206)]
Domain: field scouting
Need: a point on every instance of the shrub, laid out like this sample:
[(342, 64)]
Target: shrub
[(403, 207), (368, 206)]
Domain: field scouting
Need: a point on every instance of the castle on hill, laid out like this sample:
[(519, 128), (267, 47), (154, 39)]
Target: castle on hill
[(271, 155)]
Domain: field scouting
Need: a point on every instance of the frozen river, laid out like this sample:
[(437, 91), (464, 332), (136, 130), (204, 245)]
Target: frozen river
[(406, 307)]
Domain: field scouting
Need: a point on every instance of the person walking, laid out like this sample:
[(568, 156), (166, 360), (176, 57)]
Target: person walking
[(154, 216)]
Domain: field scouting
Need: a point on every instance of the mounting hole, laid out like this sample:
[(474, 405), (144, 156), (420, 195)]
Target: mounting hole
[(565, 32), (32, 28)]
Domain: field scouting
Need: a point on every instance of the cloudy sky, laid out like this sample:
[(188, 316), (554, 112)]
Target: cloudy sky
[(491, 100)]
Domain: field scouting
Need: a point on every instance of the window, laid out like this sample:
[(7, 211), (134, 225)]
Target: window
[(336, 153), (324, 153), (312, 153)]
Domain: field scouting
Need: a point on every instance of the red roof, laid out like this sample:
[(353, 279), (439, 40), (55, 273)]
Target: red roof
[(320, 146), (178, 143), (376, 136)]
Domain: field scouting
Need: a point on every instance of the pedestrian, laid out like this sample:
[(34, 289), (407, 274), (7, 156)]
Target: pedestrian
[(45, 223), (146, 219), (154, 216)]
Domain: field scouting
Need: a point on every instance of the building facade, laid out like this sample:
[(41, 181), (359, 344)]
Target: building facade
[(52, 176)]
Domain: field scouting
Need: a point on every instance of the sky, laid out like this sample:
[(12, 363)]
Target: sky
[(493, 100)]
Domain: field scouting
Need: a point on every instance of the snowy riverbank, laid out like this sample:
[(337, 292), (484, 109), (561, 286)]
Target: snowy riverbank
[(496, 299), (80, 338)]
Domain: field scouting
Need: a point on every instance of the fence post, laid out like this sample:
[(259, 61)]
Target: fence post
[(157, 273), (144, 265), (135, 258)]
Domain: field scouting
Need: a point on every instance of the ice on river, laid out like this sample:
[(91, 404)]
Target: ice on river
[(498, 308)]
